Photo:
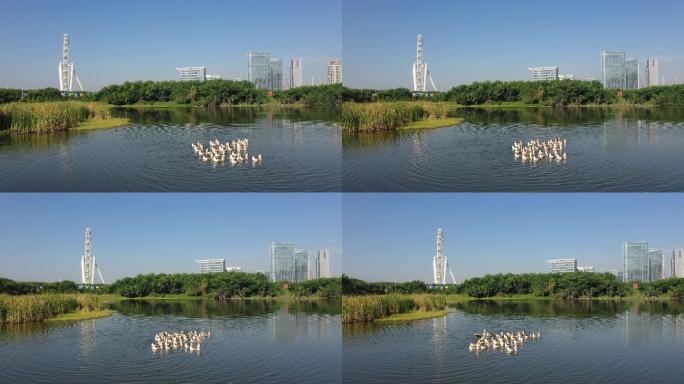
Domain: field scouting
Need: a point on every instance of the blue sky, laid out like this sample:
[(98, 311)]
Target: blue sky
[(391, 237), (41, 235), (466, 41), (114, 41)]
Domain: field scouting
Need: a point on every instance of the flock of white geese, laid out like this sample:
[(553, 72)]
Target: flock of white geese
[(191, 341), (537, 150), (236, 150), (506, 341)]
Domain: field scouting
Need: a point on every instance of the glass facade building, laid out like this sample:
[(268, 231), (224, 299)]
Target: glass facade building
[(276, 75), (301, 265), (323, 264), (282, 262), (259, 69), (678, 263), (655, 264), (632, 74), (613, 70), (295, 73), (636, 261), (563, 265), (651, 73)]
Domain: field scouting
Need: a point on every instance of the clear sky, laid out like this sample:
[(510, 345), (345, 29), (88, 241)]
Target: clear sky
[(42, 235), (391, 237), (115, 41), (466, 41)]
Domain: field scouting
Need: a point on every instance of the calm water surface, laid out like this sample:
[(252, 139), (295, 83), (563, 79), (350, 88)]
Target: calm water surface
[(582, 342), (251, 342), (608, 150), (301, 151)]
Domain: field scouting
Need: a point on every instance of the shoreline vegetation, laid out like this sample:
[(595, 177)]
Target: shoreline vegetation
[(42, 307), (390, 116), (55, 116), (367, 308)]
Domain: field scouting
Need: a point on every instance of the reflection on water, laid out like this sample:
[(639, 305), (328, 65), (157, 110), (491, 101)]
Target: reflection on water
[(582, 341), (608, 150), (253, 341)]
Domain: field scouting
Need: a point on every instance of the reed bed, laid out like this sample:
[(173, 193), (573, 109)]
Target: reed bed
[(49, 116), (366, 308), (381, 116), (34, 308)]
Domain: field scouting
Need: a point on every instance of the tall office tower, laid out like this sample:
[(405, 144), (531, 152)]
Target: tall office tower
[(563, 265), (301, 265), (211, 265), (192, 73), (323, 264), (613, 70), (651, 73), (678, 262), (282, 262), (655, 264), (276, 74), (421, 74), (295, 73), (632, 74), (544, 73), (636, 261), (335, 71), (259, 69)]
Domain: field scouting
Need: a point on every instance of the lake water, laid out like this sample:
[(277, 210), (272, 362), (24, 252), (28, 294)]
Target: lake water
[(300, 148), (582, 342), (251, 342), (607, 150)]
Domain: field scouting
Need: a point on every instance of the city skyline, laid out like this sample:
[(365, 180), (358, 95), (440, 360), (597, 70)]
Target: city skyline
[(379, 40), (108, 51), (481, 236), (138, 233)]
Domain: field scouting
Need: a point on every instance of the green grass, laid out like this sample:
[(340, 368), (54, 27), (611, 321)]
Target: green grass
[(100, 124), (413, 315), (389, 116), (367, 308), (437, 123), (49, 116), (79, 315), (36, 308)]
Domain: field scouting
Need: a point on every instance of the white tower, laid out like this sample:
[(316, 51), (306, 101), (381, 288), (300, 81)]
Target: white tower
[(67, 70), (420, 69), (88, 263), (440, 265)]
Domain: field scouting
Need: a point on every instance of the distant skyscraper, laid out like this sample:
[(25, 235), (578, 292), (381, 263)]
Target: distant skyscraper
[(632, 74), (613, 71), (655, 264), (259, 69), (276, 74), (192, 73), (335, 71), (323, 264), (544, 73), (678, 262), (211, 265), (282, 262), (636, 261), (295, 73), (562, 265), (587, 268), (651, 73), (301, 264)]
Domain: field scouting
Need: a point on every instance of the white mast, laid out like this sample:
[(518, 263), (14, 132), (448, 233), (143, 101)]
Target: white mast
[(420, 69), (88, 262), (440, 264), (67, 69)]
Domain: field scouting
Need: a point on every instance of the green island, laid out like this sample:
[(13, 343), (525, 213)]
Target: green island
[(374, 301), (22, 302)]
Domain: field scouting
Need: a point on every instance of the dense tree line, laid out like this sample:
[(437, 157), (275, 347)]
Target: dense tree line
[(351, 286), (8, 95), (663, 95), (329, 94), (12, 287), (673, 287)]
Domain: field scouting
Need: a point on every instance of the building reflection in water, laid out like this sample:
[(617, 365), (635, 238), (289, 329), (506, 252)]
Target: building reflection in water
[(439, 340), (643, 327), (87, 338), (622, 133)]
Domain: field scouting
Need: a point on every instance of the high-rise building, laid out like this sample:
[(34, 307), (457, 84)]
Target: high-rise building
[(276, 74), (211, 265), (296, 73), (335, 71), (259, 69), (323, 264), (655, 264), (282, 262), (613, 70), (192, 73), (563, 265), (636, 261), (301, 265), (544, 73), (651, 72), (632, 74), (566, 77), (678, 262)]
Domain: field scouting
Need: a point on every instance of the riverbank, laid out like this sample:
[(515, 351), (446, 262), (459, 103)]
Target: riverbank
[(42, 307), (101, 124), (78, 316), (43, 117), (411, 316), (391, 116), (367, 308)]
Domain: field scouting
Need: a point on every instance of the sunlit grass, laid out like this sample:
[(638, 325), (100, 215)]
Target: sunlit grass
[(50, 116), (374, 307)]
